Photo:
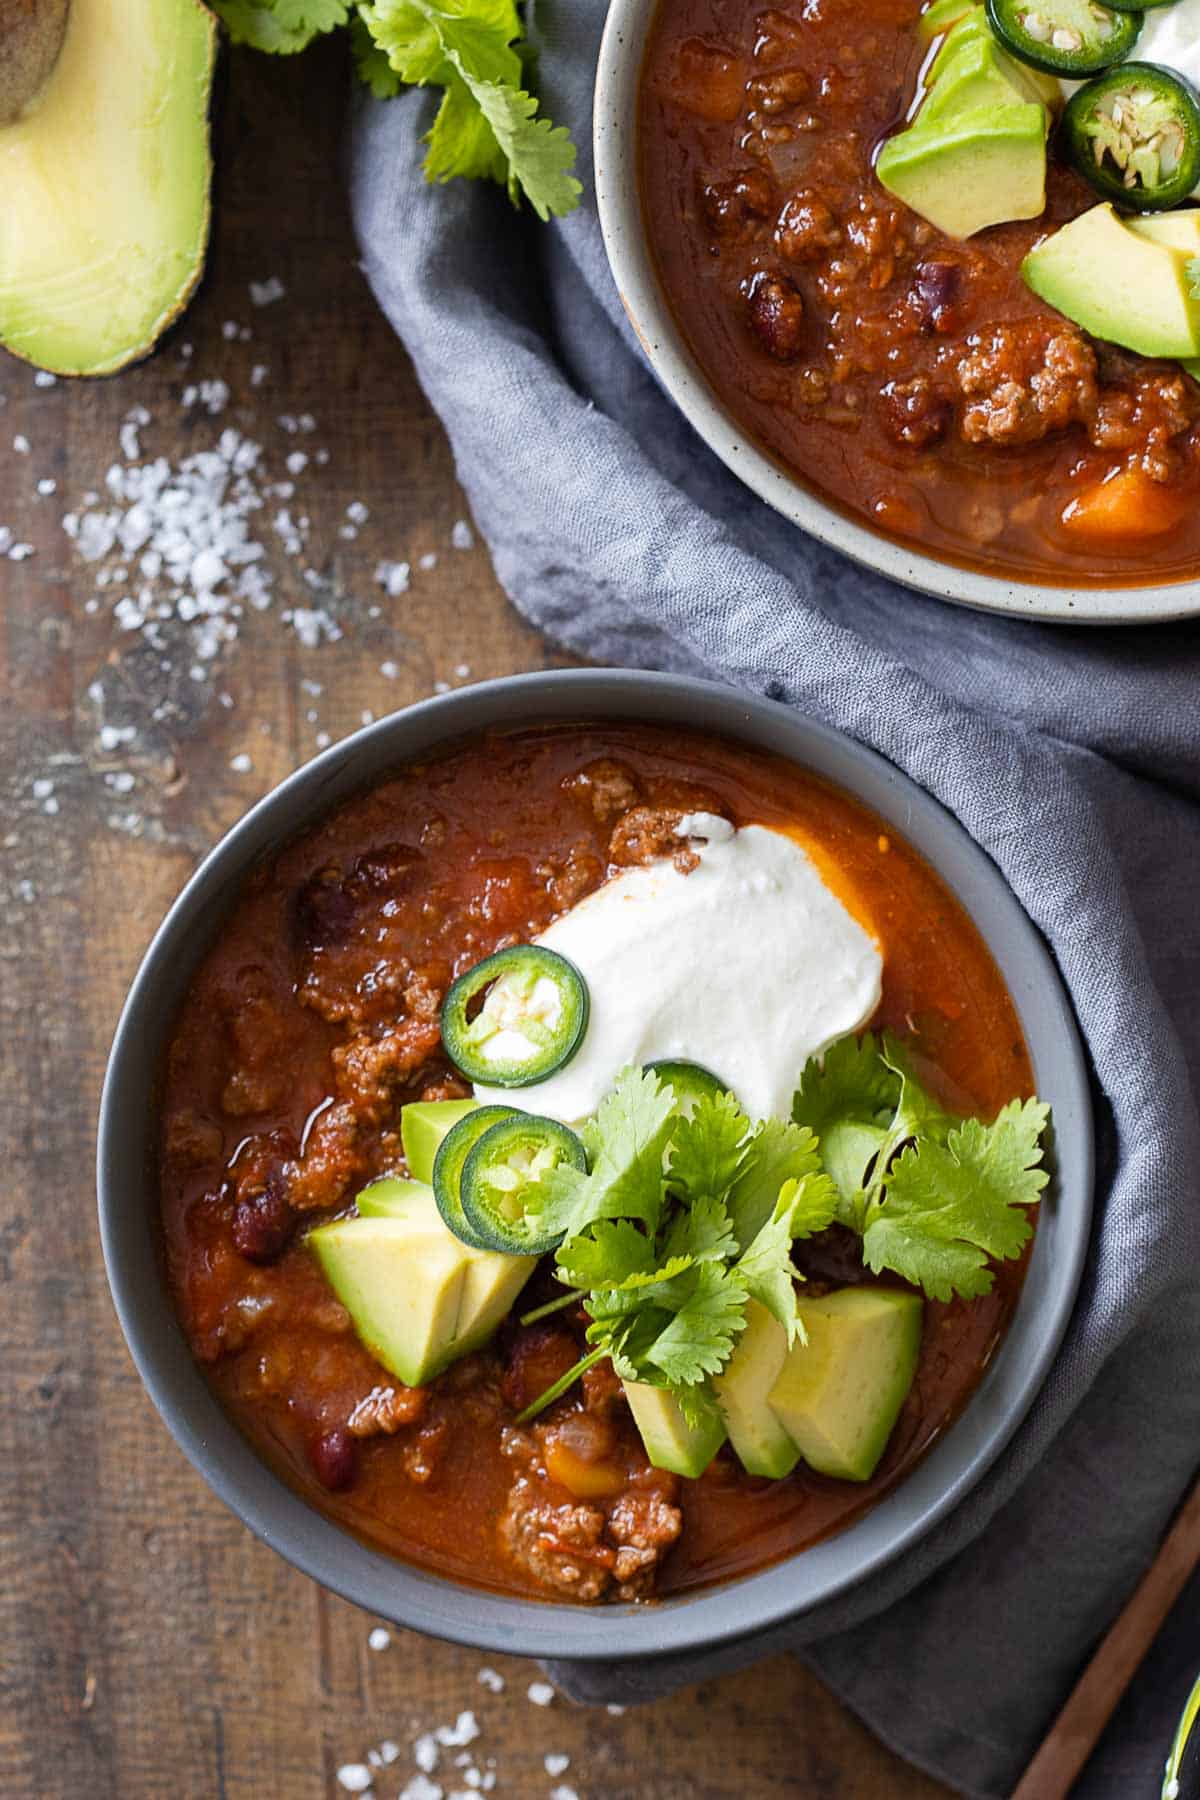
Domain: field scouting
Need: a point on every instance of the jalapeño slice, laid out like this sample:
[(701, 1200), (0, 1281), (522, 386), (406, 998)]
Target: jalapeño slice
[(500, 1169), (690, 1082), (1134, 133), (531, 1022), (448, 1168), (1072, 38)]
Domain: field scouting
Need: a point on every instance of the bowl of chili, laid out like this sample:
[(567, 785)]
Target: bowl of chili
[(896, 391), (171, 1239)]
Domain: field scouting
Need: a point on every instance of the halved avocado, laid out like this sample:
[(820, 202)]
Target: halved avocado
[(105, 175)]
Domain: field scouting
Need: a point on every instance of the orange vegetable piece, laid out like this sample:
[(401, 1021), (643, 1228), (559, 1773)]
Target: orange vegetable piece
[(708, 81), (1124, 507), (586, 1480)]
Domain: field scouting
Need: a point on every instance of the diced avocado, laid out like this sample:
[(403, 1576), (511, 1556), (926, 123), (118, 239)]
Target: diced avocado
[(671, 1443), (403, 1290), (762, 1445), (1180, 230), (423, 1125), (839, 1395), (977, 76), (105, 174), (970, 171), (490, 1283), (1118, 284), (393, 1198), (972, 31), (943, 14)]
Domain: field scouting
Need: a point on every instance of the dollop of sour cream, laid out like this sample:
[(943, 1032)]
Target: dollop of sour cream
[(749, 965)]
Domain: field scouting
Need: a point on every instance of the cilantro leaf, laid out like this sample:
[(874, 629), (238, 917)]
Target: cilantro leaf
[(848, 1098), (605, 1255), (281, 26), (539, 155), (487, 124), (371, 63), (707, 1150), (811, 1201), (946, 1208), (778, 1151), (701, 1230), (626, 1142), (699, 1339), (767, 1271)]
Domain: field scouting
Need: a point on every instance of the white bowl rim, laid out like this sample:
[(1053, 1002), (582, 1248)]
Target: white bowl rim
[(614, 141)]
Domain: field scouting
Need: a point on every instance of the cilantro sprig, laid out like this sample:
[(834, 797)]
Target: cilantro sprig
[(680, 1222), (683, 1218), (487, 125)]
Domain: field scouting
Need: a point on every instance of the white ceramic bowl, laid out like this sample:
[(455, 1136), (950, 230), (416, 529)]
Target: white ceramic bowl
[(615, 124)]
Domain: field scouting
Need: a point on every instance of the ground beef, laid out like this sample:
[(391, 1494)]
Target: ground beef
[(446, 1087), (537, 1356), (569, 878), (384, 1410), (1022, 382), (606, 787), (772, 94), (914, 413), (602, 1390), (776, 314), (258, 1038), (333, 1160), (370, 1068), (733, 206), (423, 1456), (587, 1551), (647, 834), (1146, 416), (643, 1526), (807, 228)]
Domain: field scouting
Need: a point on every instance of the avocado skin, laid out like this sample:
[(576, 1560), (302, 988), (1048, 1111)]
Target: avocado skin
[(99, 253)]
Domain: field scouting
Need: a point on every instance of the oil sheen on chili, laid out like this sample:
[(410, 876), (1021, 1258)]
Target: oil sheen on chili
[(910, 379), (314, 1017)]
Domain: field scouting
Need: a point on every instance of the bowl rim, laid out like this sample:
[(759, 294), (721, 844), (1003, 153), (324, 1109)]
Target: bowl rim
[(442, 1605), (622, 226)]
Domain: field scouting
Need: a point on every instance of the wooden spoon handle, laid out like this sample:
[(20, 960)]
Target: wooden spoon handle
[(1077, 1729)]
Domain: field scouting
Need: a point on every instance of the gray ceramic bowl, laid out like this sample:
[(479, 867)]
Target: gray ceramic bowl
[(614, 128), (128, 1183)]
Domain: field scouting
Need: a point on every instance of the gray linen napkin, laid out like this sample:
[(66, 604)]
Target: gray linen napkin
[(1072, 757)]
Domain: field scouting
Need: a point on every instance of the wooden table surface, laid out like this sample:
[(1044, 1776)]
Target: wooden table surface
[(150, 1645)]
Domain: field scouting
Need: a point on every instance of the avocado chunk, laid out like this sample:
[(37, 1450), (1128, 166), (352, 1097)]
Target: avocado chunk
[(1122, 285), (671, 1443), (759, 1440), (970, 170), (423, 1125), (943, 15), (978, 76), (491, 1282), (839, 1395), (1179, 230), (402, 1289), (105, 176)]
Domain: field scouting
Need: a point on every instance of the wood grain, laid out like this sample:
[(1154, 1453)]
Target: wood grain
[(151, 1647)]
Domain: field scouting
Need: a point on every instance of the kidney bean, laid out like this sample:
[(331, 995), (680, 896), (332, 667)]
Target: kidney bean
[(263, 1223), (776, 314), (334, 1458)]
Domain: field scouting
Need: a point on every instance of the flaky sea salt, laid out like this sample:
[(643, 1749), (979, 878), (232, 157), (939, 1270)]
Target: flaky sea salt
[(491, 1679), (540, 1692), (563, 1792), (464, 1730), (420, 1788), (241, 765), (21, 444), (462, 537), (265, 293), (556, 1765), (355, 1778), (379, 1639), (395, 577)]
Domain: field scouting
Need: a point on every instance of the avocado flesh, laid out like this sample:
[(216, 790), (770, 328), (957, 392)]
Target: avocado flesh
[(402, 1289), (972, 31), (105, 178), (491, 1282), (978, 76), (839, 1395), (1127, 287), (943, 15), (761, 1444), (670, 1442), (971, 170), (424, 1124), (1178, 230)]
